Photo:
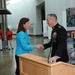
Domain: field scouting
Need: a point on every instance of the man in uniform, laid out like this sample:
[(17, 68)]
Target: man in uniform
[(58, 40)]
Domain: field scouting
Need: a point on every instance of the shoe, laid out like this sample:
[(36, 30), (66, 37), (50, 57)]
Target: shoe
[(8, 49), (12, 48), (0, 49)]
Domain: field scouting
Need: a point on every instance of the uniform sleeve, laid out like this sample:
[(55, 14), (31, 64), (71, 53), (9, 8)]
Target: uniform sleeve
[(24, 44), (0, 32), (47, 45), (62, 42), (11, 32), (8, 33)]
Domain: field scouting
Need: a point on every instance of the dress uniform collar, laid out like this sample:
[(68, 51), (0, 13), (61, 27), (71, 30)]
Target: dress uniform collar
[(55, 26)]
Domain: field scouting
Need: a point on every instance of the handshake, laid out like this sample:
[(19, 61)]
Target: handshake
[(39, 47)]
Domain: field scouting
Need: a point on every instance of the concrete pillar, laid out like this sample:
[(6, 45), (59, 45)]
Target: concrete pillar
[(4, 19)]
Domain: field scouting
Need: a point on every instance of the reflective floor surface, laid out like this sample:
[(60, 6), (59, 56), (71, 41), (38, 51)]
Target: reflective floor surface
[(7, 61)]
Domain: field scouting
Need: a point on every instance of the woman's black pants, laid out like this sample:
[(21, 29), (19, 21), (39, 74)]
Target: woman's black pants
[(17, 65)]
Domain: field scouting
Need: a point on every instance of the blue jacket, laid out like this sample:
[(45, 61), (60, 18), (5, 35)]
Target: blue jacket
[(23, 43)]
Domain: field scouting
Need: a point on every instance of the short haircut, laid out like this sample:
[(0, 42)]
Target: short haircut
[(53, 15)]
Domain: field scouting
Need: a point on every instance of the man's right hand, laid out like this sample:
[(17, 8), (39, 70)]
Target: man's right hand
[(39, 47)]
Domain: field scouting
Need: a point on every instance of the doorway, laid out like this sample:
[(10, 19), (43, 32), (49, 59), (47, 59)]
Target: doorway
[(40, 14)]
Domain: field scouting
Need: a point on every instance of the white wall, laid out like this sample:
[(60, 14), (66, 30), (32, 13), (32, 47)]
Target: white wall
[(28, 9), (45, 28), (39, 2), (58, 6), (22, 9), (64, 19)]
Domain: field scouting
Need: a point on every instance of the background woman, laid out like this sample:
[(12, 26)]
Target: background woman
[(9, 38)]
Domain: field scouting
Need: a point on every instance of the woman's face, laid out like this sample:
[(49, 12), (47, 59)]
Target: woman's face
[(26, 25)]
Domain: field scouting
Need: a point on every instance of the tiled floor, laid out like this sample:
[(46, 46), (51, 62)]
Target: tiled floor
[(7, 62)]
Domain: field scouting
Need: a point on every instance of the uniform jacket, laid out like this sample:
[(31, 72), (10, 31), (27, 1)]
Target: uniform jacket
[(59, 43), (23, 43), (9, 35), (0, 34)]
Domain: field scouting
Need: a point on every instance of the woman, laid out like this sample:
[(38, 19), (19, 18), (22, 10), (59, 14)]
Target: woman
[(9, 38), (23, 42)]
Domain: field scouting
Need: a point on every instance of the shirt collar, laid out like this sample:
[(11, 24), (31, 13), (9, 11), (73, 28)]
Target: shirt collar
[(55, 26)]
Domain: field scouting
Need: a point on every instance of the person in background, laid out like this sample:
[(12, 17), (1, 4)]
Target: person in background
[(0, 39), (58, 41), (23, 45), (9, 38)]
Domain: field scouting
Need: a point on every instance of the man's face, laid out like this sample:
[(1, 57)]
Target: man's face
[(50, 21)]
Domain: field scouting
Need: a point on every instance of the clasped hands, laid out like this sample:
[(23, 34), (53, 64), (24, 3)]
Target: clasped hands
[(39, 47)]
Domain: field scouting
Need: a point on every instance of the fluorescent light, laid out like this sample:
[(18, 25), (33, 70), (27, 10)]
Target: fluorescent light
[(13, 1)]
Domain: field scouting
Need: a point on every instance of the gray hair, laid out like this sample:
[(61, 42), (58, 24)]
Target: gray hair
[(53, 15)]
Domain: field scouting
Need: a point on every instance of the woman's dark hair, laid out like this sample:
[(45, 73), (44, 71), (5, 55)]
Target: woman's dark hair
[(21, 22), (7, 29)]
